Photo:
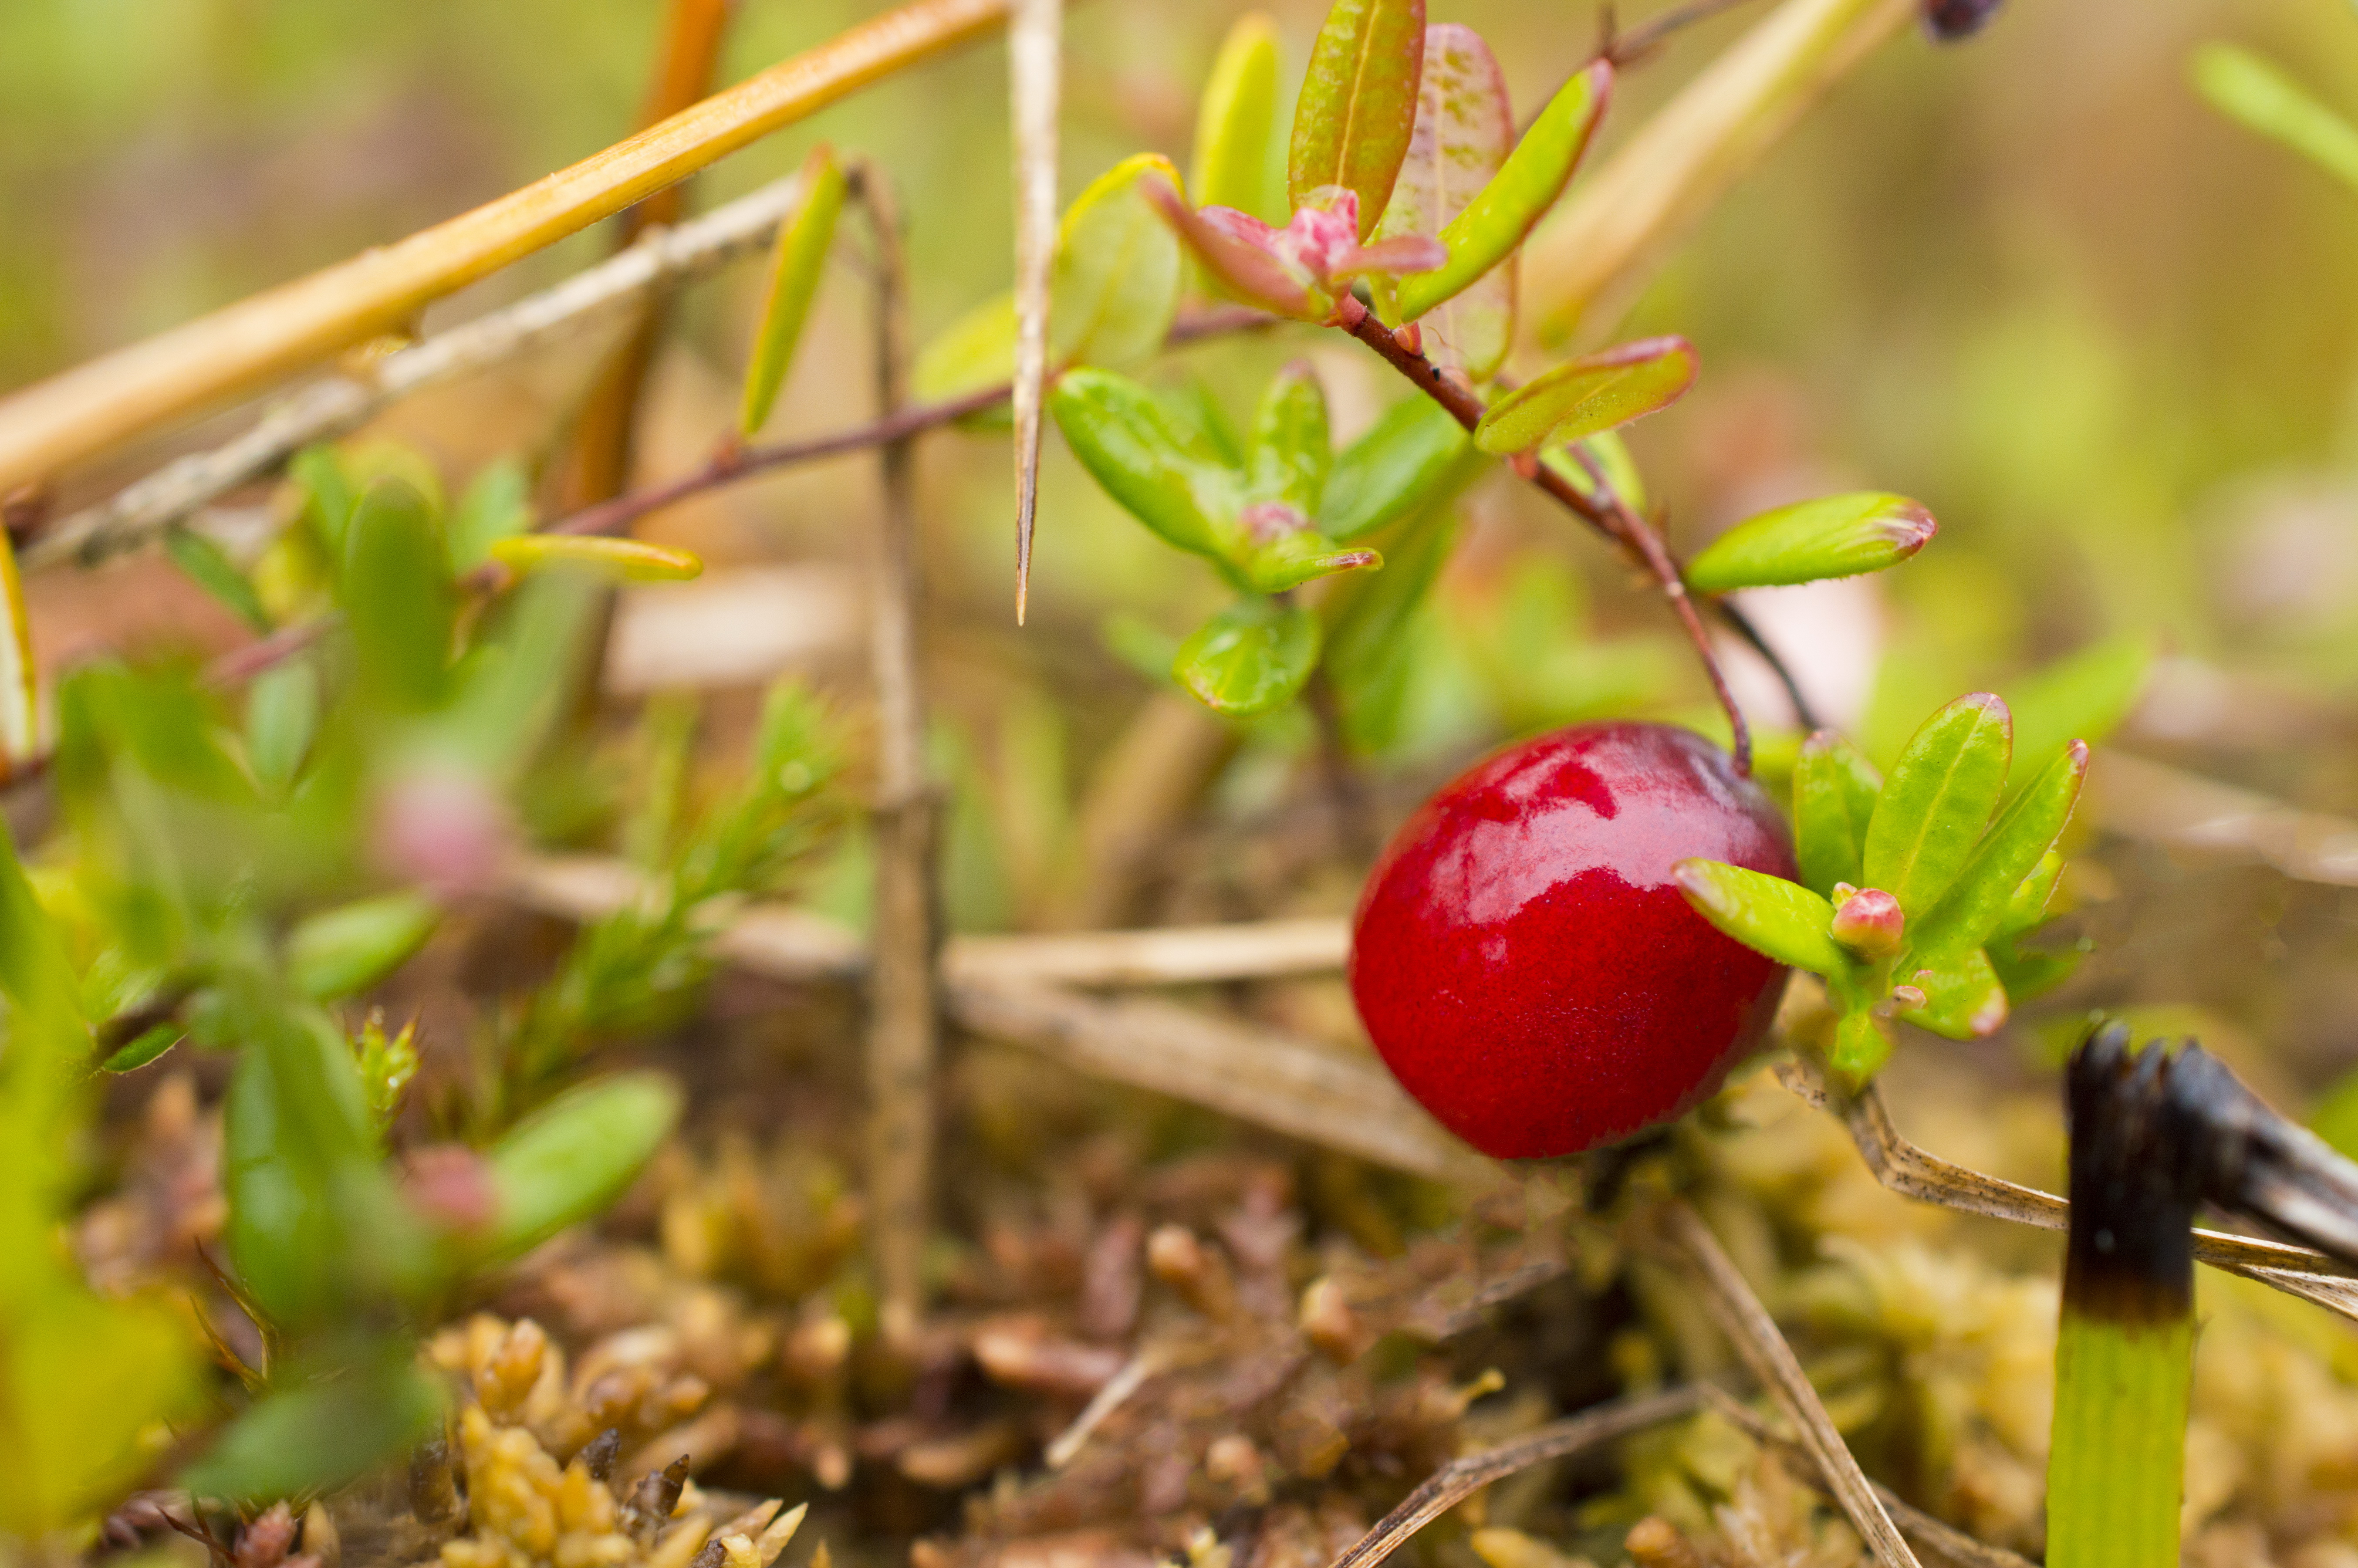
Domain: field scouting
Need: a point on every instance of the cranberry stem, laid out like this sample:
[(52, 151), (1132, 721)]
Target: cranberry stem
[(1605, 512)]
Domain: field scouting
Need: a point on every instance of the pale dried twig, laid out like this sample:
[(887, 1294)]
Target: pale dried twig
[(70, 418), (1035, 61), (1461, 1478), (1754, 1334)]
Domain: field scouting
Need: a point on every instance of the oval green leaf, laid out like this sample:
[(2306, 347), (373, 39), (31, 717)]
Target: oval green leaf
[(621, 560), (574, 1156), (1118, 273), (796, 265), (1464, 126), (1236, 123), (1584, 397), (1836, 536), (396, 595), (1252, 656), (208, 565), (1291, 449), (1938, 801), (1492, 224), (1162, 469), (2008, 854), (1768, 914), (1964, 998), (342, 951), (1357, 109), (1835, 789), (1405, 457)]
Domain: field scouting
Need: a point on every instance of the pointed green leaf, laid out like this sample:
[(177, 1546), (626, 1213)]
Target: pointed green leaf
[(1357, 108), (2083, 696), (20, 711), (1962, 998), (1116, 286), (1834, 788), (1291, 450), (2008, 853), (1291, 559), (143, 1048), (1405, 457), (205, 564), (327, 495), (796, 264), (396, 595), (618, 560), (1582, 396), (2028, 972), (1162, 470), (281, 714), (1252, 656), (1768, 914), (1236, 123), (312, 1436), (2028, 907), (1489, 227), (574, 1156), (1464, 129), (1838, 535), (2251, 91), (1937, 802), (345, 950), (1862, 1044)]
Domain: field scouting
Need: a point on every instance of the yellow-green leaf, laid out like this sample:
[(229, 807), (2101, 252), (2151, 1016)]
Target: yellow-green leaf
[(1768, 914), (1834, 537), (2261, 97), (1938, 801), (1236, 123), (796, 267), (1835, 789), (1582, 396), (1250, 657), (1358, 109), (1118, 270), (624, 560)]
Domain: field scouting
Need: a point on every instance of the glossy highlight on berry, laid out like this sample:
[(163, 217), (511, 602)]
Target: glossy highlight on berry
[(1524, 961)]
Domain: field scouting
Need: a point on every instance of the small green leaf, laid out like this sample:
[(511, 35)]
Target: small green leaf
[(1464, 129), (1290, 451), (312, 1436), (327, 495), (1839, 535), (1357, 108), (281, 714), (2028, 907), (1236, 123), (2083, 696), (1118, 275), (145, 1047), (2262, 98), (1252, 656), (497, 505), (1289, 560), (1964, 999), (974, 352), (1584, 397), (796, 265), (1404, 459), (1490, 227), (396, 595), (2008, 853), (1768, 914), (1162, 470), (1835, 789), (619, 560), (574, 1156), (1862, 1044), (343, 951), (205, 564), (1937, 802)]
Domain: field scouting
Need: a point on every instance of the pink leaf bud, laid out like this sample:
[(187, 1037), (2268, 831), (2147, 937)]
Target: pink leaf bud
[(1869, 922)]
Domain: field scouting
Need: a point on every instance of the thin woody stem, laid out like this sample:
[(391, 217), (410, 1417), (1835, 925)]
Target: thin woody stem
[(1606, 511)]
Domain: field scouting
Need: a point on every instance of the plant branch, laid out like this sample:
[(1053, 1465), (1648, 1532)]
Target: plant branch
[(1605, 511), (70, 418), (1754, 1334), (1461, 1478)]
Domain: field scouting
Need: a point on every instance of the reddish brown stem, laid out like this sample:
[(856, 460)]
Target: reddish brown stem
[(1605, 511)]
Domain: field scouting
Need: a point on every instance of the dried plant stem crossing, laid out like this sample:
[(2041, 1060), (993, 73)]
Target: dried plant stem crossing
[(70, 418), (1747, 1325), (903, 1001)]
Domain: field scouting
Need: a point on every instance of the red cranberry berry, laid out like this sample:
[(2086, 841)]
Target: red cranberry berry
[(1526, 965)]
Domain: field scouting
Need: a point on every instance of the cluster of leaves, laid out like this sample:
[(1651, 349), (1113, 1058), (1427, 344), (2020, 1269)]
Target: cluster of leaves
[(234, 880)]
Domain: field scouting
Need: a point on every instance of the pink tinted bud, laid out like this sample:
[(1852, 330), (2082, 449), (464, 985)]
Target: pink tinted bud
[(1410, 338), (441, 828), (1869, 922), (1269, 521), (451, 1185)]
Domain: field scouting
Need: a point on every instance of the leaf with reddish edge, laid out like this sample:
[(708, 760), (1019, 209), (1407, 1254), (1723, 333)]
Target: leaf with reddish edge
[(1250, 657), (1464, 126), (1834, 537), (1359, 104), (1491, 227), (1239, 259), (1597, 391)]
